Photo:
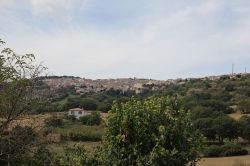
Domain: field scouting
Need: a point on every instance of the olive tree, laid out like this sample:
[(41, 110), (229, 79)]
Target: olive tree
[(154, 131)]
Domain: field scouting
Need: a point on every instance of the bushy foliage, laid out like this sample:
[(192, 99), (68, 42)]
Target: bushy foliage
[(204, 112), (73, 102), (244, 127), (41, 157), (150, 132), (71, 118), (104, 106), (205, 125), (225, 127), (18, 93), (79, 156), (216, 126), (16, 145), (93, 119), (54, 122), (88, 104), (89, 136), (244, 105), (225, 150)]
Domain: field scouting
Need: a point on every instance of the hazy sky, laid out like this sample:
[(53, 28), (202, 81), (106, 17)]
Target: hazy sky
[(158, 39)]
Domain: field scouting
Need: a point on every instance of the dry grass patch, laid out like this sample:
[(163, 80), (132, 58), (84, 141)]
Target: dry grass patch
[(237, 116), (224, 161)]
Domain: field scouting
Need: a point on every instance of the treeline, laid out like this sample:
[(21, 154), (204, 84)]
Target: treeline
[(216, 126), (67, 98)]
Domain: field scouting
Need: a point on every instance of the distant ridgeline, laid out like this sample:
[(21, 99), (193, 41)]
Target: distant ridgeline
[(226, 93)]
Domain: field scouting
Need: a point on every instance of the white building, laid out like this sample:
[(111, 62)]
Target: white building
[(77, 112)]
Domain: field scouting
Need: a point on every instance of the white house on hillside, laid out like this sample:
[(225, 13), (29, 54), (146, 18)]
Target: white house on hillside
[(77, 112)]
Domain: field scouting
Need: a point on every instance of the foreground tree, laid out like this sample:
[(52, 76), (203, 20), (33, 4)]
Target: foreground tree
[(18, 78), (150, 132)]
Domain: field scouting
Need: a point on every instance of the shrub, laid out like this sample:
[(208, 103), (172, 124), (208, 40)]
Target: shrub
[(205, 125), (104, 106), (225, 127), (244, 127), (85, 136), (213, 151), (16, 145), (225, 150), (54, 122), (47, 130), (88, 104), (71, 118), (78, 155), (42, 156), (244, 106), (93, 119)]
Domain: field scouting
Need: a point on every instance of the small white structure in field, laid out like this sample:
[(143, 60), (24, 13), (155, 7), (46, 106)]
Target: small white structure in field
[(77, 112)]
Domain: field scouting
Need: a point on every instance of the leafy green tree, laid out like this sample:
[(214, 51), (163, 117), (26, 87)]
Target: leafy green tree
[(244, 105), (244, 127), (73, 102), (18, 93), (225, 127), (18, 78), (150, 132), (205, 125), (204, 112), (88, 104), (54, 121), (93, 119), (230, 87), (104, 106), (216, 105)]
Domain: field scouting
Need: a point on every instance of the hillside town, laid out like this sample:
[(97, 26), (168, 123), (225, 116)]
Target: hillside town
[(83, 85)]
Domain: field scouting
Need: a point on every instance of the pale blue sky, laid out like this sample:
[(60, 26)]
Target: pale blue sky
[(157, 39)]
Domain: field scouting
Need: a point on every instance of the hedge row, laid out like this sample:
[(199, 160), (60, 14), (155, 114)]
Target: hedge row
[(225, 150)]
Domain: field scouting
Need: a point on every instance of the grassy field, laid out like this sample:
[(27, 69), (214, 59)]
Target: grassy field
[(58, 148), (225, 161), (80, 132), (34, 121)]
